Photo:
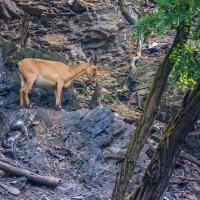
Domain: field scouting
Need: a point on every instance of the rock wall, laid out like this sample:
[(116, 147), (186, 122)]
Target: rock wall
[(64, 31), (71, 29)]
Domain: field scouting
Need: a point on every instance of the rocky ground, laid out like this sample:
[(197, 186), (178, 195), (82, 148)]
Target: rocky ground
[(83, 147)]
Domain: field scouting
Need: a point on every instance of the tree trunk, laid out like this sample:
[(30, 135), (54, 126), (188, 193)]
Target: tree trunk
[(24, 31), (161, 167), (149, 113), (125, 12), (131, 21)]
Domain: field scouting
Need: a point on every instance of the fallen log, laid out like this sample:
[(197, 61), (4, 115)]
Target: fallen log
[(44, 180)]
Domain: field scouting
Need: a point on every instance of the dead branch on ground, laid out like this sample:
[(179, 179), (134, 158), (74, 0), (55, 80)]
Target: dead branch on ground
[(44, 180)]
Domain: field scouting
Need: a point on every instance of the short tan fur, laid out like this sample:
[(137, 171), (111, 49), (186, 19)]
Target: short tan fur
[(45, 73)]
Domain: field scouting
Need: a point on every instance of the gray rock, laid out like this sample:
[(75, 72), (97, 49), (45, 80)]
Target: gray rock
[(71, 119), (64, 135), (96, 120), (77, 198), (116, 127), (8, 9), (104, 140), (75, 140), (196, 188), (45, 197), (20, 183), (168, 196), (42, 115), (39, 160), (2, 173)]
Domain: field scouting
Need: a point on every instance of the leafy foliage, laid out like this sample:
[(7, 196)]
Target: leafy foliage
[(196, 33), (170, 15), (187, 68)]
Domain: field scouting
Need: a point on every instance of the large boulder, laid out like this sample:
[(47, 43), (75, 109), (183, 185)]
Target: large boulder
[(8, 9)]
